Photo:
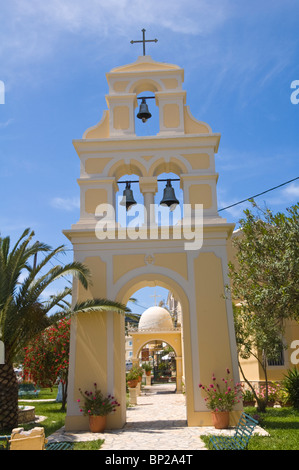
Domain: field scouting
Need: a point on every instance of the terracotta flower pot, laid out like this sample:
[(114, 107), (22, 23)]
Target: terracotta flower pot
[(132, 383), (97, 423), (220, 419), (148, 372)]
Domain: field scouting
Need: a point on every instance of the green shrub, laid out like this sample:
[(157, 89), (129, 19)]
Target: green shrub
[(291, 385)]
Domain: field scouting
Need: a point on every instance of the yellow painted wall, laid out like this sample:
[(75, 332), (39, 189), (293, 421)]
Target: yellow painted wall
[(94, 197), (91, 362), (171, 115), (101, 130), (121, 85), (96, 165), (211, 313), (171, 338), (170, 83), (201, 194), (177, 262), (192, 126), (124, 263), (198, 161), (212, 327), (121, 117)]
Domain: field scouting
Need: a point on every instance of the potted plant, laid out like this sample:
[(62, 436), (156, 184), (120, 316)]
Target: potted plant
[(272, 396), (221, 399), (96, 406), (248, 397), (147, 368), (132, 378)]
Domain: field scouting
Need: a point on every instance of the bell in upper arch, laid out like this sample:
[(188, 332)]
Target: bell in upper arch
[(169, 199), (144, 113), (128, 198)]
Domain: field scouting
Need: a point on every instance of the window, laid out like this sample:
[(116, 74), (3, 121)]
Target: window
[(277, 362)]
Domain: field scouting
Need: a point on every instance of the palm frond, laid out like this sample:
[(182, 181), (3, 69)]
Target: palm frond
[(56, 300), (100, 305)]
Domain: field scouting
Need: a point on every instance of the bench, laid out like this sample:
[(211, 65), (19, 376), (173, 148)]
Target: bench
[(28, 389), (240, 439), (4, 442), (59, 446)]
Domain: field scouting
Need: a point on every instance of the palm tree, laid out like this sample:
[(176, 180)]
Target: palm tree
[(23, 314)]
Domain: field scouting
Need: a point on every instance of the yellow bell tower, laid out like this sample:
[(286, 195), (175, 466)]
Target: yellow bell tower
[(122, 261)]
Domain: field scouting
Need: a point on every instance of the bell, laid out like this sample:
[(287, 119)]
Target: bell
[(169, 198), (128, 199), (144, 113)]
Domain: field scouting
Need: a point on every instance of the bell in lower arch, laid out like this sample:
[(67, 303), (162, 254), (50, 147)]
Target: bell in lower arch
[(128, 199), (169, 198), (144, 113)]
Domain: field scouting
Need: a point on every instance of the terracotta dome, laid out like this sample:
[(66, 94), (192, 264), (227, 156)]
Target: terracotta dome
[(155, 318)]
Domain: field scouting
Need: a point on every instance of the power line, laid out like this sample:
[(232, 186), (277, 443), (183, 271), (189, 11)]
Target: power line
[(257, 195), (49, 261)]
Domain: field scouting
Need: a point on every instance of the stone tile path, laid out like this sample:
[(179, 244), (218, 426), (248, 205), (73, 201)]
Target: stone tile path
[(157, 422)]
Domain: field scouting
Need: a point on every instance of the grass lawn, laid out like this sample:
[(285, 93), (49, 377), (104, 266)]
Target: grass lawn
[(281, 423), (55, 418)]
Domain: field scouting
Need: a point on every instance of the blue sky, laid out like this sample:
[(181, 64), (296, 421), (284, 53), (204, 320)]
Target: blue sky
[(239, 57)]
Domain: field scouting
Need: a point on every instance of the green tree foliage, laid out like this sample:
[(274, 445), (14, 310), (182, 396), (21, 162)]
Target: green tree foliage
[(24, 313), (264, 281)]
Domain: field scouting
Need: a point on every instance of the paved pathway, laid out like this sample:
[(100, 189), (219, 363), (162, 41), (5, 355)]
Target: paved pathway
[(157, 422)]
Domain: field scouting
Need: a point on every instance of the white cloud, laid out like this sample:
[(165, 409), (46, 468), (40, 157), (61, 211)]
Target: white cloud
[(104, 18), (66, 204), (287, 196), (5, 124), (292, 190), (35, 30)]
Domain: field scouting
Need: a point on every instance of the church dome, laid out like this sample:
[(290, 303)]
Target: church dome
[(155, 318)]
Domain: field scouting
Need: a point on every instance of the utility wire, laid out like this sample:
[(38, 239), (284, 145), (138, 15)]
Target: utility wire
[(257, 195)]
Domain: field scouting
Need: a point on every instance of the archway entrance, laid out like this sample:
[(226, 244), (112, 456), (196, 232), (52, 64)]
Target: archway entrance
[(164, 340), (154, 332)]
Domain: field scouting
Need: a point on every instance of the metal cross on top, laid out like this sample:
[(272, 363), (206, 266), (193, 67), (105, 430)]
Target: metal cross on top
[(144, 40)]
